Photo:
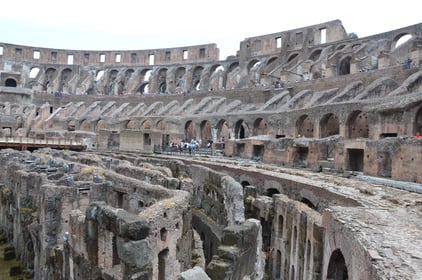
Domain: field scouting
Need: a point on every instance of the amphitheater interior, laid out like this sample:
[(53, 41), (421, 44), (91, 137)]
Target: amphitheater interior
[(299, 157)]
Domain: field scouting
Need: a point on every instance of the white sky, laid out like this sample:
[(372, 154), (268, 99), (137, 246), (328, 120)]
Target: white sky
[(153, 24)]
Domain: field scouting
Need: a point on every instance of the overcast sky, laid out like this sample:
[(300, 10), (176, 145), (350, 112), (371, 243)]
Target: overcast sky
[(137, 25)]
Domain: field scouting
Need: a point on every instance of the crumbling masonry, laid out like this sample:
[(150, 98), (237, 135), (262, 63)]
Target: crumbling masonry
[(313, 169)]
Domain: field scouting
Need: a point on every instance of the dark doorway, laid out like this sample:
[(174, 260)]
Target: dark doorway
[(258, 152), (162, 257), (356, 159), (10, 83), (337, 269)]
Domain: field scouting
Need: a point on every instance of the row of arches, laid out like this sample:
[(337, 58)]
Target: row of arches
[(357, 126)]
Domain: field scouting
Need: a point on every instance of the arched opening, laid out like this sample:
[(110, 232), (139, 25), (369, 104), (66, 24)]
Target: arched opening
[(34, 72), (272, 191), (10, 82), (241, 129), (163, 234), (206, 134), (131, 124), (259, 127), (100, 75), (403, 38), (66, 75), (308, 203), (329, 126), (344, 68), (101, 124), (292, 57), (337, 269), (85, 125), (418, 122), (196, 78), (147, 124), (190, 132), (358, 125), (223, 130), (315, 55), (162, 259), (305, 126)]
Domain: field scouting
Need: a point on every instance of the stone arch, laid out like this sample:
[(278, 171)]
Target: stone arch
[(232, 78), (162, 80), (131, 124), (272, 60), (292, 57), (344, 66), (143, 88), (196, 78), (223, 129), (180, 79), (340, 47), (400, 39), (252, 64), (315, 55), (49, 76), (217, 80), (19, 122), (337, 269), (305, 126), (259, 127), (241, 129), (65, 77), (143, 82), (85, 125), (111, 82), (190, 131), (161, 125), (357, 125), (71, 125), (329, 125), (101, 124), (146, 124), (10, 82), (206, 131), (418, 122)]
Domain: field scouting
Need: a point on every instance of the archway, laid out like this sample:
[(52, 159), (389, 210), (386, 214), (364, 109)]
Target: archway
[(190, 131), (418, 122), (305, 126), (344, 68), (10, 82), (329, 125), (241, 130), (358, 125), (337, 269), (259, 127), (206, 133), (223, 130)]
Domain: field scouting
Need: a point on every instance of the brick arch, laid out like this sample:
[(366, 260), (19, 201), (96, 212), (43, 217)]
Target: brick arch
[(190, 130), (344, 66), (329, 125), (259, 127), (206, 131), (223, 129), (146, 124), (418, 122), (161, 125), (196, 78), (305, 126), (131, 124), (241, 129), (101, 124), (337, 268), (85, 125), (357, 125)]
